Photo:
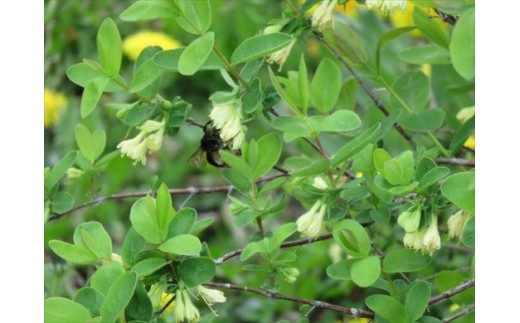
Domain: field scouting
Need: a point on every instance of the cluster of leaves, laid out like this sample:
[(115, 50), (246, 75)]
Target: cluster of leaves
[(394, 143)]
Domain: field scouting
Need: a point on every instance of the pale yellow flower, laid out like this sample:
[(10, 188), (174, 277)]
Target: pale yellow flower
[(184, 309), (134, 44), (387, 6), (211, 296), (470, 142), (414, 240), (53, 105), (431, 240), (148, 140), (279, 57), (322, 18), (226, 119), (309, 224), (410, 219), (456, 224)]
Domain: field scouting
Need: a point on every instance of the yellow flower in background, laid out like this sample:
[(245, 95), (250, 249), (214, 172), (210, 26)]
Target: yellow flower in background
[(53, 104), (470, 142), (165, 297), (350, 8), (134, 44), (387, 6), (404, 18), (426, 69)]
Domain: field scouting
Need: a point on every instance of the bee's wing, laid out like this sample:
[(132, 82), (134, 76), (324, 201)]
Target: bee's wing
[(198, 159)]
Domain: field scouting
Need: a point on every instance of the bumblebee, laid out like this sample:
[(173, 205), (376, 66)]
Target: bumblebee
[(210, 145)]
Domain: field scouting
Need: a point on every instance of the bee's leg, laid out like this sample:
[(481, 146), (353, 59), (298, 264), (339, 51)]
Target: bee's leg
[(193, 123)]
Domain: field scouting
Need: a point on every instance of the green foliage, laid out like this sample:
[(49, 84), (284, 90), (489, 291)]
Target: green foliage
[(318, 160)]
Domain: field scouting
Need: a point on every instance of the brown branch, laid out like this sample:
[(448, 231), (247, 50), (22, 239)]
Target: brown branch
[(354, 312), (455, 161), (173, 191), (162, 309), (286, 244), (367, 90), (450, 292), (464, 311)]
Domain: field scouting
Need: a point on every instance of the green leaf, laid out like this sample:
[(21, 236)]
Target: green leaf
[(387, 307), (62, 202), (282, 93), (462, 134), (91, 298), (196, 271), (72, 253), (83, 73), (446, 280), (380, 157), (90, 145), (109, 47), (146, 73), (366, 271), (347, 42), (105, 276), (139, 309), (468, 233), (99, 242), (314, 168), (132, 244), (433, 176), (341, 270), (165, 211), (201, 225), (339, 121), (144, 220), (149, 9), (284, 257), (387, 37), (423, 121), (118, 296), (252, 99), (195, 16), (348, 95), (63, 310), (270, 147), (427, 54), (417, 300), (425, 165), (326, 85), (182, 222), (251, 69), (239, 181), (352, 237), (462, 45), (283, 232), (403, 189), (460, 189), (407, 162), (291, 127), (91, 95), (148, 266), (169, 60), (59, 169), (414, 89), (303, 85), (404, 261), (430, 27), (184, 244), (355, 145), (251, 249), (259, 46), (237, 163), (393, 172), (196, 54)]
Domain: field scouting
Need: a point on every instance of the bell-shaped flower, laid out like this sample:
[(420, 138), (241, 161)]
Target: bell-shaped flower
[(148, 140), (322, 17), (432, 239), (387, 6), (410, 219), (226, 119), (279, 57), (309, 224), (211, 296), (184, 310), (414, 240), (456, 224)]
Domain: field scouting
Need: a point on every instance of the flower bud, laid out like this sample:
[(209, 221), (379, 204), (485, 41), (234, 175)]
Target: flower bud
[(456, 224), (431, 240), (74, 173), (410, 219), (211, 296)]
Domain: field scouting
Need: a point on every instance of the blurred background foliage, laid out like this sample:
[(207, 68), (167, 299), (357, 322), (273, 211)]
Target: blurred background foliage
[(70, 36)]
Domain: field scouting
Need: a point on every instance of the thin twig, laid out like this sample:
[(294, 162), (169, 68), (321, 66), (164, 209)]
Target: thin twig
[(382, 254), (458, 247), (174, 191), (286, 244), (354, 312), (464, 311), (450, 292), (162, 309), (455, 161), (367, 90)]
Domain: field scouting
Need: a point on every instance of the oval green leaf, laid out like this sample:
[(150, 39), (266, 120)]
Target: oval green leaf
[(259, 46), (366, 271), (118, 296), (387, 307), (143, 222), (72, 253), (417, 300), (91, 95), (105, 276), (109, 47), (148, 266), (341, 269), (460, 189), (423, 121), (196, 271), (462, 45), (148, 10), (352, 237), (196, 54), (339, 121), (63, 310), (184, 244), (404, 261), (91, 298), (325, 85), (414, 89)]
